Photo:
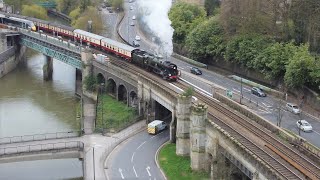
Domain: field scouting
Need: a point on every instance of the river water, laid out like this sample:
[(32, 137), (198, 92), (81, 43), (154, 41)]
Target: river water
[(29, 105)]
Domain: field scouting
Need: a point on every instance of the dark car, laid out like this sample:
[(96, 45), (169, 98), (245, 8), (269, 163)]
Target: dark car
[(135, 43), (258, 91), (196, 71)]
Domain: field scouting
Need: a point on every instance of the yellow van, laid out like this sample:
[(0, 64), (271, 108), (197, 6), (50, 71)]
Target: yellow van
[(156, 126)]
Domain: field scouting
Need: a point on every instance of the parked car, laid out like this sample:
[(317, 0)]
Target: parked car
[(258, 91), (195, 71), (135, 44), (133, 17), (137, 38), (304, 125), (132, 24), (293, 108)]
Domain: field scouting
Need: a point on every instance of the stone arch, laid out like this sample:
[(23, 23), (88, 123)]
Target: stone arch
[(111, 87), (100, 78), (122, 94), (133, 99)]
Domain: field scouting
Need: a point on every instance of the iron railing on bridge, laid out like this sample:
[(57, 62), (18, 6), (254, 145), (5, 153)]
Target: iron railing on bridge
[(72, 145), (52, 40), (39, 137)]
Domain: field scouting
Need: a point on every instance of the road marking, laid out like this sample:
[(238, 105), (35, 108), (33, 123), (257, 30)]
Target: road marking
[(148, 168), (132, 156), (134, 170), (317, 132), (120, 171), (268, 106), (247, 89), (236, 90), (141, 144)]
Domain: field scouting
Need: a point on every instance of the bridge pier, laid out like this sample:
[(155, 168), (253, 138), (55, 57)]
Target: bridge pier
[(183, 125), (198, 137), (48, 69)]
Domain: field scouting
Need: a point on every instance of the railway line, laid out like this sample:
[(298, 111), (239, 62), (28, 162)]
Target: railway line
[(286, 161)]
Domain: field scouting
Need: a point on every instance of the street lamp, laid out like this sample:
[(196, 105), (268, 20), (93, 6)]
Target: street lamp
[(90, 25), (101, 93)]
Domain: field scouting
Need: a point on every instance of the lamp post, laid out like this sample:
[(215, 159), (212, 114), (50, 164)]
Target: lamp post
[(101, 93), (90, 25)]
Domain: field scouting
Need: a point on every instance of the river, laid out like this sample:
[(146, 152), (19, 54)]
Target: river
[(30, 105)]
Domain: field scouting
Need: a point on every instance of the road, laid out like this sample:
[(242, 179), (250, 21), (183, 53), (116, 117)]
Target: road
[(135, 158), (266, 105)]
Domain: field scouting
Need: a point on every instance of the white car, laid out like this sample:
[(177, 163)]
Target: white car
[(131, 7), (133, 17), (304, 125), (137, 38), (132, 24), (293, 108)]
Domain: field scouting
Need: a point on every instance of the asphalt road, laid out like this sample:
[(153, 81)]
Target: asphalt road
[(266, 105), (135, 158)]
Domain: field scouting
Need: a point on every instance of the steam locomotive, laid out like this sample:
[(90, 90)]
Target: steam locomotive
[(147, 61)]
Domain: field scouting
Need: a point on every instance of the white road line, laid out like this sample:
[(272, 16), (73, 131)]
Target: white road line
[(247, 89), (317, 132), (132, 156), (236, 90), (141, 144), (134, 170), (148, 168), (120, 171)]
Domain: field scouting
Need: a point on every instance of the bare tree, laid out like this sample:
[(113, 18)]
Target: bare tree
[(279, 111)]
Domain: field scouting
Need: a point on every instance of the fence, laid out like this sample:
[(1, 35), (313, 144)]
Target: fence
[(5, 55), (42, 147), (39, 137)]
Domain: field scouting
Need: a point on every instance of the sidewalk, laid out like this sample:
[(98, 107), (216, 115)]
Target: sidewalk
[(98, 147)]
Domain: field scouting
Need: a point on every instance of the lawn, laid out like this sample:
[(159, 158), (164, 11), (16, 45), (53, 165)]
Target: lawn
[(178, 167), (115, 114)]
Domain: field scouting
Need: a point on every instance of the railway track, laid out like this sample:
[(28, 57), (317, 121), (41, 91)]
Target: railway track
[(273, 146)]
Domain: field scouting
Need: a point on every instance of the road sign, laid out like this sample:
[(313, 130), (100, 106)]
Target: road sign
[(229, 93)]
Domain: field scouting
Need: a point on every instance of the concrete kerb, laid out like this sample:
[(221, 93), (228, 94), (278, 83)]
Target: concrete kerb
[(157, 160), (115, 146)]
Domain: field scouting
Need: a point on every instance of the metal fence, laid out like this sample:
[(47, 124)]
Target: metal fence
[(5, 55), (52, 40), (39, 137), (42, 147)]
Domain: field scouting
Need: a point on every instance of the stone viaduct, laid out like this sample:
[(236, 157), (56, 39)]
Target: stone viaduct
[(206, 143)]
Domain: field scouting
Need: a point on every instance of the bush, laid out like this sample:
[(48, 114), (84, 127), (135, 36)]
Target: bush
[(90, 83)]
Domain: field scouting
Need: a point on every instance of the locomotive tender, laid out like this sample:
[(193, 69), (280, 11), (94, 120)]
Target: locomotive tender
[(147, 61)]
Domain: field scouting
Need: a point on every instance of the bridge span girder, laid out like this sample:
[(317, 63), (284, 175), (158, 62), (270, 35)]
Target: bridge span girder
[(52, 53)]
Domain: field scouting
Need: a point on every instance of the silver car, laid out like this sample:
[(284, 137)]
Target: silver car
[(304, 125), (293, 108)]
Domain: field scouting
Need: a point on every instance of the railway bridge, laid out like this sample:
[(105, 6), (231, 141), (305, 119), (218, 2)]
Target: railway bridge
[(212, 135)]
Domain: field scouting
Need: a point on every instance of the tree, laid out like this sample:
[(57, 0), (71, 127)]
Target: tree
[(90, 82), (84, 4), (273, 59), (299, 68), (74, 14), (117, 4), (66, 6), (211, 6), (244, 49), (185, 17), (35, 11), (90, 14), (206, 40)]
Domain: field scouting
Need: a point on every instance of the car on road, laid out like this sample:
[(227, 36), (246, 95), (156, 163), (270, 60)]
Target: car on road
[(132, 24), (135, 44), (293, 108), (133, 17), (195, 71), (156, 126), (304, 125), (137, 38), (131, 7), (130, 1), (258, 91)]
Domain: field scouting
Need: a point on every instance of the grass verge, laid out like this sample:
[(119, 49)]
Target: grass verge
[(178, 167), (115, 114)]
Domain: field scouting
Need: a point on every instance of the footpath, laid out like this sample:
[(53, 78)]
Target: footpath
[(96, 146)]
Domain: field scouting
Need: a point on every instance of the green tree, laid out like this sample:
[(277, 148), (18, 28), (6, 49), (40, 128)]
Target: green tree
[(74, 14), (90, 82), (90, 14), (84, 4), (273, 59), (244, 49), (206, 40), (300, 68), (117, 4), (66, 6), (211, 6), (185, 17), (35, 11)]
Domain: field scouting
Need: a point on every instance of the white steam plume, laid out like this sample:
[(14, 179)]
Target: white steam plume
[(155, 16)]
